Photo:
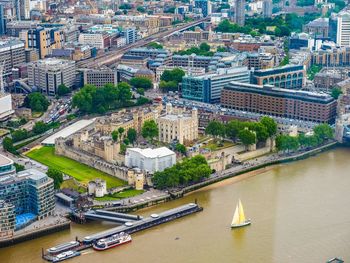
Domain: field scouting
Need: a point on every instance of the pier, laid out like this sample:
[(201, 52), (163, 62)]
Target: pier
[(133, 224), (111, 216)]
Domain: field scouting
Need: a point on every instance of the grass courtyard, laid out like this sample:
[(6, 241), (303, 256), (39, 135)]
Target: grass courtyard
[(120, 195), (81, 172), (214, 146)]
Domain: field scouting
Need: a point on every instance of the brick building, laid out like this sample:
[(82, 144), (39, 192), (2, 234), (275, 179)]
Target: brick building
[(278, 102)]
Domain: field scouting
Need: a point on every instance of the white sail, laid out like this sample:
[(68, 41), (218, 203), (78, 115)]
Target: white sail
[(241, 212), (235, 219)]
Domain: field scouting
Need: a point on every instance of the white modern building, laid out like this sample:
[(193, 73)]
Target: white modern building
[(6, 109), (150, 160), (48, 74), (98, 40), (343, 28)]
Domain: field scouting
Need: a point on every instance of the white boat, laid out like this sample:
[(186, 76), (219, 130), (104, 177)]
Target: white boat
[(239, 219)]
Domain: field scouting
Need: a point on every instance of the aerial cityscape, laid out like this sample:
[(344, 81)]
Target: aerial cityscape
[(175, 131)]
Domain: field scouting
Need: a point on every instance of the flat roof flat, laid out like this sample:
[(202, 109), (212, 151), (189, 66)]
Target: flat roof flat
[(67, 131), (5, 161)]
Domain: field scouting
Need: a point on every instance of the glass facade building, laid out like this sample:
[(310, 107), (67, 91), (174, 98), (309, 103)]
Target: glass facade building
[(29, 192), (207, 88)]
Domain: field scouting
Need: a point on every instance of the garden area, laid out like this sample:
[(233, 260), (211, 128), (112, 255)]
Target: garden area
[(81, 172), (120, 195), (215, 145)]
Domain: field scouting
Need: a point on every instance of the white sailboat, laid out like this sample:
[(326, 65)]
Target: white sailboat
[(239, 219)]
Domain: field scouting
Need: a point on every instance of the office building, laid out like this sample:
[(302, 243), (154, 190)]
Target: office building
[(12, 54), (318, 27), (178, 125), (204, 5), (100, 77), (267, 8), (240, 12), (130, 35), (286, 77), (43, 40), (6, 108), (293, 104), (2, 20), (334, 56), (30, 192), (207, 88), (98, 40), (343, 28), (48, 74), (150, 160)]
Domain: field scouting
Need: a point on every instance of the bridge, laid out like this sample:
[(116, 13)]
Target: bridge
[(115, 217), (112, 57)]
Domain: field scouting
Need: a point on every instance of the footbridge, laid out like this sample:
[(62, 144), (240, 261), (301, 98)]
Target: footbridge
[(115, 217)]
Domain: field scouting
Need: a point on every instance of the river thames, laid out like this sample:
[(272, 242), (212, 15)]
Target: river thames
[(300, 213)]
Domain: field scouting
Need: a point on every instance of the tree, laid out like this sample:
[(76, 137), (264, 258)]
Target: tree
[(247, 137), (204, 46), (36, 102), (336, 92), (126, 141), (142, 100), (115, 135), (19, 135), (189, 170), (270, 125), (89, 99), (141, 9), (323, 132), (180, 148), (131, 135), (155, 45), (121, 131), (150, 129), (175, 74), (62, 90), (122, 148), (233, 128), (7, 144), (260, 131), (141, 83), (215, 129), (19, 167), (140, 91), (40, 127), (57, 177), (166, 86), (287, 143), (221, 49)]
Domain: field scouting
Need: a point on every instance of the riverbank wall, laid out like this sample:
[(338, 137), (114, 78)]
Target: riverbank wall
[(282, 159), (18, 238)]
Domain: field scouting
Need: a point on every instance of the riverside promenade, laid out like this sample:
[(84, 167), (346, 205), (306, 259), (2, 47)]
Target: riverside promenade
[(135, 204)]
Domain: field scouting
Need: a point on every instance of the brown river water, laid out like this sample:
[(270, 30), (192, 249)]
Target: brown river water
[(300, 212)]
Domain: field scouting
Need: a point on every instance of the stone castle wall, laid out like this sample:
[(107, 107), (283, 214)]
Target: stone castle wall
[(63, 149)]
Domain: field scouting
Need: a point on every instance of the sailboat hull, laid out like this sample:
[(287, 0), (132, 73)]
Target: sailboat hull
[(245, 223)]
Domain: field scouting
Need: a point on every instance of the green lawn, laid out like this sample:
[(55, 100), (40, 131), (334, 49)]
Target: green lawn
[(120, 195), (72, 184), (81, 172), (213, 146)]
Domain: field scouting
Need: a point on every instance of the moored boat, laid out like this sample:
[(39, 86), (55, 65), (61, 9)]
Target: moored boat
[(239, 219), (65, 255), (113, 241)]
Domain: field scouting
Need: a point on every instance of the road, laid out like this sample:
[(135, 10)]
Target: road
[(113, 56)]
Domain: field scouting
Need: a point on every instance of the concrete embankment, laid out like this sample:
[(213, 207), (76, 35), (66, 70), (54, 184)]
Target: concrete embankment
[(226, 175), (17, 238)]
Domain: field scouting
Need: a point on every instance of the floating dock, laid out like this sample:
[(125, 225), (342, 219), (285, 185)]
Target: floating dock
[(110, 216), (133, 225)]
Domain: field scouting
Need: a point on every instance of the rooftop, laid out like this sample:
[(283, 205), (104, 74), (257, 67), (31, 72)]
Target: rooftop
[(5, 161), (152, 153)]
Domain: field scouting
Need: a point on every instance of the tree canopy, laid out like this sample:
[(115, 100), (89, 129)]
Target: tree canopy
[(36, 102), (62, 90), (247, 137), (216, 129), (336, 92), (141, 83), (131, 135), (155, 45), (150, 129), (57, 177), (202, 50), (175, 74), (99, 100), (188, 171)]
